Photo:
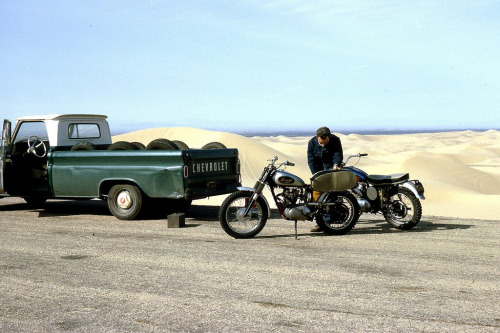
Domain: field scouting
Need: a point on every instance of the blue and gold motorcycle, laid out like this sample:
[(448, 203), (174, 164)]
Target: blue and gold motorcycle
[(396, 196)]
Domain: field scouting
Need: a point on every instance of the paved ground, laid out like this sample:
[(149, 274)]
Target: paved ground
[(74, 267)]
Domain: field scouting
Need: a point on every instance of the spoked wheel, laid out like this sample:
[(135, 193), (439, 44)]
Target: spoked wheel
[(232, 215), (341, 217), (404, 210)]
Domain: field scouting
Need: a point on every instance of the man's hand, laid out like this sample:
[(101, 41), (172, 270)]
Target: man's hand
[(336, 167)]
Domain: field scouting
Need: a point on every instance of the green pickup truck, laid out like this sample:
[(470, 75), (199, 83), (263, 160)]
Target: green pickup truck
[(73, 157)]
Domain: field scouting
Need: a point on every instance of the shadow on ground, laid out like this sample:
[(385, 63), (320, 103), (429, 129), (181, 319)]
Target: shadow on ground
[(366, 225)]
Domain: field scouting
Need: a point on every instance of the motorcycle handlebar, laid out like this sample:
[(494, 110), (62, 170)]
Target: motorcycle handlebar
[(357, 155), (273, 161)]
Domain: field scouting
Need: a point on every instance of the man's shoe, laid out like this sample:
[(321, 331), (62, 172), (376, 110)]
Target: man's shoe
[(316, 229)]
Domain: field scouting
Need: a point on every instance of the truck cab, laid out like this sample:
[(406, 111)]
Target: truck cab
[(24, 151), (73, 157)]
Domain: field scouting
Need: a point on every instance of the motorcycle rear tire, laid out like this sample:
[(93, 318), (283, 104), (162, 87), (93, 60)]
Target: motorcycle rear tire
[(238, 226), (405, 217), (346, 213)]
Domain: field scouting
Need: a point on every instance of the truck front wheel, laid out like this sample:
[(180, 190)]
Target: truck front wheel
[(35, 201), (125, 201)]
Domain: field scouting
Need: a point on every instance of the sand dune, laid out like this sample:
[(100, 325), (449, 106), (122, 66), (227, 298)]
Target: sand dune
[(460, 170)]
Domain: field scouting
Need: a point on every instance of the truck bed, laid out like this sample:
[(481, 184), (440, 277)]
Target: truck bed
[(175, 174)]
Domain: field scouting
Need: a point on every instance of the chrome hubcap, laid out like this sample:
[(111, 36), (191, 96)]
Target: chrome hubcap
[(124, 201)]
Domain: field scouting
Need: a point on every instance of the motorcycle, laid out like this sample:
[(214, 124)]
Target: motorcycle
[(244, 213), (395, 196)]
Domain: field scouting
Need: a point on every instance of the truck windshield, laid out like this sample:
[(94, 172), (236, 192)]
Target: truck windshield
[(29, 128)]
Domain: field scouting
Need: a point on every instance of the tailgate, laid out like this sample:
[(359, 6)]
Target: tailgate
[(209, 172)]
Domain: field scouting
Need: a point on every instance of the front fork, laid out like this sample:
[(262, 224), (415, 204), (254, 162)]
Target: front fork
[(257, 189)]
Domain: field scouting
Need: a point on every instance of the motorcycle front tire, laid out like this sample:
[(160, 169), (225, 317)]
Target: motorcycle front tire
[(231, 215)]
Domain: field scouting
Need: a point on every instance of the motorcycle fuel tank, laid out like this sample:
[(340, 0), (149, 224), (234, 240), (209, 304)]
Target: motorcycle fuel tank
[(283, 178)]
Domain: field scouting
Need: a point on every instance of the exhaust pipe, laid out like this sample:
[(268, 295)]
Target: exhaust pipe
[(364, 205), (299, 213)]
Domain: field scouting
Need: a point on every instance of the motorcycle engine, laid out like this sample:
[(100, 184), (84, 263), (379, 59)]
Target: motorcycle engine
[(361, 192), (364, 189), (372, 193), (290, 196)]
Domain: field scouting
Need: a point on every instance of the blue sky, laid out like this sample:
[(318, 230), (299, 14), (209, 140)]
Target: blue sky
[(266, 65)]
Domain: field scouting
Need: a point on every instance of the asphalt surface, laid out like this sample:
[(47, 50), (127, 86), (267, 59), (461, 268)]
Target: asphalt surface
[(73, 267)]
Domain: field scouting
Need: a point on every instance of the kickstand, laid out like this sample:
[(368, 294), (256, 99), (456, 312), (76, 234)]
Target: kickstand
[(296, 229)]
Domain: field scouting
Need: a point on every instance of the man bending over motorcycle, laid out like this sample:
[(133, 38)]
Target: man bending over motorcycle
[(324, 151)]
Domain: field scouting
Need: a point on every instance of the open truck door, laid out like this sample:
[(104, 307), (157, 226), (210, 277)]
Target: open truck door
[(4, 151)]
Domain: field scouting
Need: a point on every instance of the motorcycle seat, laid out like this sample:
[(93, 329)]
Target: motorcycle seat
[(395, 178)]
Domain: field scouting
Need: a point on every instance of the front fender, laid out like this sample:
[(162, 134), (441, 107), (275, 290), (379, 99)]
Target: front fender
[(251, 189), (243, 188)]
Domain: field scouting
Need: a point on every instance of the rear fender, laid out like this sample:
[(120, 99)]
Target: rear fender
[(108, 183), (412, 187)]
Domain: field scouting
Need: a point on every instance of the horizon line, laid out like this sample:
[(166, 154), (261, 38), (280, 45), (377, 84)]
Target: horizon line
[(306, 132)]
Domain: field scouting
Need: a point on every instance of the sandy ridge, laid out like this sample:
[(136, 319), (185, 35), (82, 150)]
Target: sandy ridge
[(460, 170)]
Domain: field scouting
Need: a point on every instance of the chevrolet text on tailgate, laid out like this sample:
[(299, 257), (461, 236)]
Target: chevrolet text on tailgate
[(73, 157)]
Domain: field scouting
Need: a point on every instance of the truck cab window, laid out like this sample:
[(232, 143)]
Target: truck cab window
[(84, 131)]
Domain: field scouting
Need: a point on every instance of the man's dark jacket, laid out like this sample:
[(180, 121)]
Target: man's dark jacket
[(323, 158)]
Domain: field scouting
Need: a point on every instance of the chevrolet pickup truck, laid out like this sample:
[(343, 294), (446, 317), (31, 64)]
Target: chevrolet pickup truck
[(73, 157)]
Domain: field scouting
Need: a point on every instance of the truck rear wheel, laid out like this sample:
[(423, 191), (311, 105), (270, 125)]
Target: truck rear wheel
[(125, 201)]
